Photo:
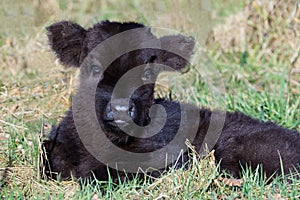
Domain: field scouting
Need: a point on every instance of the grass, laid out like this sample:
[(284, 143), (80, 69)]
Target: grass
[(34, 90)]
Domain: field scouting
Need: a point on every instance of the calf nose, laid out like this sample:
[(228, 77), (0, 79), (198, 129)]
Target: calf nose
[(122, 111), (119, 111)]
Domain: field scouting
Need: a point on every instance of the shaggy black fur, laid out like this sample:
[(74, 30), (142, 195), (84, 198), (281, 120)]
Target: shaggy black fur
[(244, 141)]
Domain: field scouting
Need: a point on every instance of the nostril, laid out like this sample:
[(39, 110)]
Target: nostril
[(109, 115), (131, 112)]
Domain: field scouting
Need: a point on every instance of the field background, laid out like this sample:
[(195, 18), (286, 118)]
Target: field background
[(254, 45)]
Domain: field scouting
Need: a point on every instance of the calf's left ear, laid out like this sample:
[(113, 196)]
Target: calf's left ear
[(177, 51), (66, 40)]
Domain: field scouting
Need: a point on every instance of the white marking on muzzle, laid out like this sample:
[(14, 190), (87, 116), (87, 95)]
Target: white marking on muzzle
[(121, 108)]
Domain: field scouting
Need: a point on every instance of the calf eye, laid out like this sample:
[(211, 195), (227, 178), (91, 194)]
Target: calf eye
[(147, 75), (148, 71), (95, 69), (151, 59)]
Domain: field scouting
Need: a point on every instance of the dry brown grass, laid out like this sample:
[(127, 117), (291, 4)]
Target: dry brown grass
[(269, 31)]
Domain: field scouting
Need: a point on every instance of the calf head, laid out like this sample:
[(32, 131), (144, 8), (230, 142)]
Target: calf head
[(118, 55), (75, 46)]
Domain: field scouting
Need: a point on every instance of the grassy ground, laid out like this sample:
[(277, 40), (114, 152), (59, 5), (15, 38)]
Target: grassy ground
[(254, 45)]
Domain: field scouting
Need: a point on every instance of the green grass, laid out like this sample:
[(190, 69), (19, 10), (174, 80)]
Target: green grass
[(36, 90)]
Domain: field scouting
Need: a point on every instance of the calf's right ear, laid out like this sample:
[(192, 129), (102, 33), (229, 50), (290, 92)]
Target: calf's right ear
[(66, 40)]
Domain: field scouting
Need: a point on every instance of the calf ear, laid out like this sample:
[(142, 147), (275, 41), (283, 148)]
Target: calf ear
[(66, 39), (177, 51)]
